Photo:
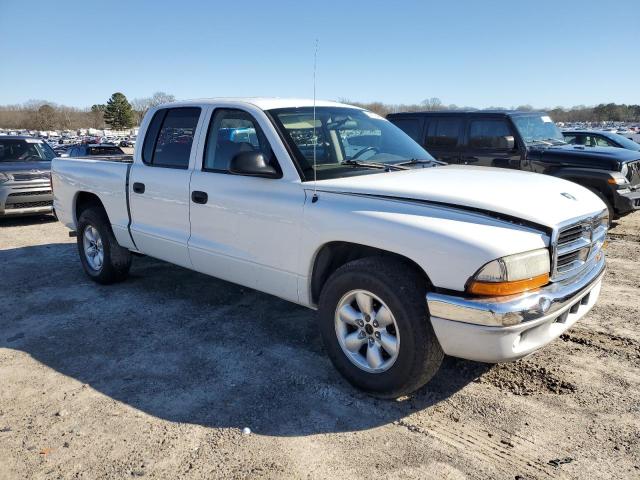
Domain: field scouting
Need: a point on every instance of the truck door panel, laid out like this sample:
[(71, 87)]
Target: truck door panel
[(159, 187), (248, 228), (487, 144)]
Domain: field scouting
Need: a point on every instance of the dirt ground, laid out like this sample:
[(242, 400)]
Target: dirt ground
[(157, 377)]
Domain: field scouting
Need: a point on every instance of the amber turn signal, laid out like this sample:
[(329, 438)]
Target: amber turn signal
[(508, 288)]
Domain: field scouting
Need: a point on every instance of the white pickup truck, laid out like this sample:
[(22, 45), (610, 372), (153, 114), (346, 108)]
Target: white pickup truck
[(334, 208)]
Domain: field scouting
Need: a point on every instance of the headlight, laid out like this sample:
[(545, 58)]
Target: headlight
[(617, 179), (5, 177), (512, 274), (624, 170)]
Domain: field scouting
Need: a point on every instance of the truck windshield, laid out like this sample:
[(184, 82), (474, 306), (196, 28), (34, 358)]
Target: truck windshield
[(24, 150), (538, 128), (348, 141)]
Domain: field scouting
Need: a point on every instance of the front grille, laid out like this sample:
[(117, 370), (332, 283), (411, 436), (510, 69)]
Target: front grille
[(576, 246), (633, 172), (16, 206), (25, 177), (28, 194)]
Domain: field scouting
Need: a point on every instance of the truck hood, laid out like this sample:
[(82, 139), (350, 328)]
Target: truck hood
[(606, 158), (540, 199)]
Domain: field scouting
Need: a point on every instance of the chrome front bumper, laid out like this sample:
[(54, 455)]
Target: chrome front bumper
[(508, 328), (515, 309)]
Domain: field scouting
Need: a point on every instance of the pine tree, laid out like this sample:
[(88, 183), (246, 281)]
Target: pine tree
[(118, 114)]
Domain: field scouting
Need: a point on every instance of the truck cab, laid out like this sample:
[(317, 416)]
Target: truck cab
[(527, 141)]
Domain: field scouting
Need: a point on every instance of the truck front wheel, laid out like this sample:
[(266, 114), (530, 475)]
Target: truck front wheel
[(103, 259), (375, 326)]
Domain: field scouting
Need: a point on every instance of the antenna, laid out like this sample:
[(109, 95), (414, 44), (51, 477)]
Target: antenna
[(314, 199)]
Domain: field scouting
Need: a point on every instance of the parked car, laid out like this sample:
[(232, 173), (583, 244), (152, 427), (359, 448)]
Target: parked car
[(528, 141), (25, 176), (404, 258), (127, 142), (597, 138), (93, 149)]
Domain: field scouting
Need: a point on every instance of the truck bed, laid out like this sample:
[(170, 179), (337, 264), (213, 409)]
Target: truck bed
[(104, 176)]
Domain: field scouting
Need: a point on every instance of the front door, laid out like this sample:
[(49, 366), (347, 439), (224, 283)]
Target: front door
[(244, 229), (159, 186)]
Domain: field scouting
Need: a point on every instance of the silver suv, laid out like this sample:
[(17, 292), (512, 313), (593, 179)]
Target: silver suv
[(25, 176)]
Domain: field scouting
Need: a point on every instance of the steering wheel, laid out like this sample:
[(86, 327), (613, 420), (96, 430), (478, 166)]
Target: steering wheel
[(365, 150)]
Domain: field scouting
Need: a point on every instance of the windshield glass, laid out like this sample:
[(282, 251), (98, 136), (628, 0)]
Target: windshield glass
[(24, 150), (538, 128), (349, 141)]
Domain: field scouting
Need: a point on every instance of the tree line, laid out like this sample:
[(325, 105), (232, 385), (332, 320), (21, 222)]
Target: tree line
[(119, 113), (610, 112)]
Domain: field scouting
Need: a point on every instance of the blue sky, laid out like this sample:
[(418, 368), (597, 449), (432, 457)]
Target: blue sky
[(471, 53)]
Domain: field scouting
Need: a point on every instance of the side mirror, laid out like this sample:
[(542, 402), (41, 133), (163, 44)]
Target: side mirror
[(252, 164), (508, 142)]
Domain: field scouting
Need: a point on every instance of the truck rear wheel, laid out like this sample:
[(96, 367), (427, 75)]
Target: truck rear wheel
[(103, 259), (375, 326)]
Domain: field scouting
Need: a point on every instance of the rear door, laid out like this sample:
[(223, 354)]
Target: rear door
[(443, 137), (490, 142), (159, 185)]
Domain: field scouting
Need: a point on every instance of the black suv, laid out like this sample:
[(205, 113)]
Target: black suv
[(526, 141)]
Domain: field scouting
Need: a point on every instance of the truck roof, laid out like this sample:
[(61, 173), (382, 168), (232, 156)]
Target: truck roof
[(263, 103)]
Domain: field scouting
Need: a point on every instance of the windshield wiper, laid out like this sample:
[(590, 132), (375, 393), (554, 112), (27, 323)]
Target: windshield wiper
[(417, 161), (385, 166), (540, 141)]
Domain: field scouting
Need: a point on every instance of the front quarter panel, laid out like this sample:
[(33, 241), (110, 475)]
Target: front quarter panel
[(449, 244)]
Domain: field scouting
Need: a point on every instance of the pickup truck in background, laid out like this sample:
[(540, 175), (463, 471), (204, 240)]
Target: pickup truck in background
[(334, 208), (528, 141)]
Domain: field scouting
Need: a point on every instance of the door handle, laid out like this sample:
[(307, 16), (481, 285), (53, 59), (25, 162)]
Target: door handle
[(138, 187), (199, 197)]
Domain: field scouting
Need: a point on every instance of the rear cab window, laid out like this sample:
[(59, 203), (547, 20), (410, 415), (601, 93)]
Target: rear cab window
[(169, 137)]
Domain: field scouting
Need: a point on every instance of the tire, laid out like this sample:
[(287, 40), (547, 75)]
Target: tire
[(116, 260), (397, 287), (606, 201)]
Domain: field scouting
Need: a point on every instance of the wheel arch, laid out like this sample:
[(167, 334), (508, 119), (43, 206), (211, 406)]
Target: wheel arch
[(84, 200), (332, 255)]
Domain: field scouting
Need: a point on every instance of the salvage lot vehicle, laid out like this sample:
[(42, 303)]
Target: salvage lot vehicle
[(599, 138), (334, 208), (93, 149), (527, 141), (25, 178)]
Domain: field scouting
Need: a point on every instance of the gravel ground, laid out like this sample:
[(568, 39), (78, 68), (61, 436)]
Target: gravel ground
[(157, 377)]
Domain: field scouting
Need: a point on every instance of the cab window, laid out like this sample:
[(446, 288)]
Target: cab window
[(489, 133), (410, 126), (170, 136), (443, 132), (232, 132)]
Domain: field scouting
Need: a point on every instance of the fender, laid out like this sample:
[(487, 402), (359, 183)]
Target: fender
[(590, 178)]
